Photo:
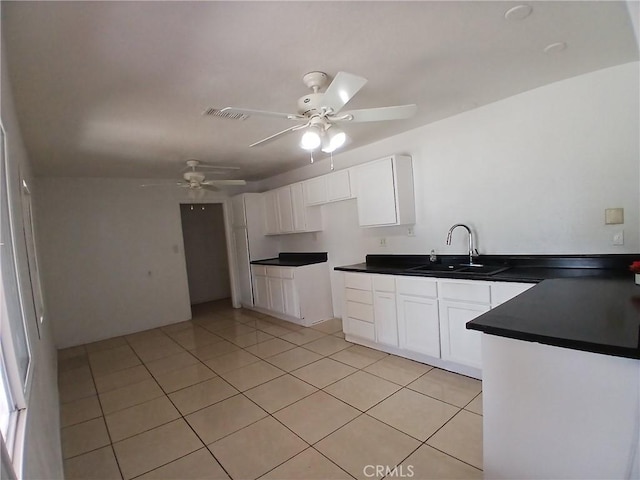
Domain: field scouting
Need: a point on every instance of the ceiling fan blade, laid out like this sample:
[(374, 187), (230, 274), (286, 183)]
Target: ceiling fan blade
[(161, 184), (214, 167), (342, 89), (276, 135), (211, 188), (379, 114), (263, 113), (224, 182)]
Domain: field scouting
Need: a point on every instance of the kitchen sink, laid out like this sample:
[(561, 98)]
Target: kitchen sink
[(435, 267), (482, 269), (464, 269)]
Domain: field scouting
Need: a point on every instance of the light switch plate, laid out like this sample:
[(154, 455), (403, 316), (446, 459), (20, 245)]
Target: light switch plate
[(614, 216)]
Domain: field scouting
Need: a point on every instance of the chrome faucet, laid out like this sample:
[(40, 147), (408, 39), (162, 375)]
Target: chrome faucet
[(472, 251)]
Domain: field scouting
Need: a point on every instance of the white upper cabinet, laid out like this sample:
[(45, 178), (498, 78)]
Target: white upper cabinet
[(315, 191), (332, 187), (385, 192), (339, 186), (286, 211), (272, 222)]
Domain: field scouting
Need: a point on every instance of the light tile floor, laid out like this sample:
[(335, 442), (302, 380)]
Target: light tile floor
[(237, 394)]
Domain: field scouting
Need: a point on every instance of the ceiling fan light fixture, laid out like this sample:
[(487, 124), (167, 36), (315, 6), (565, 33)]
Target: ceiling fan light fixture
[(333, 140), (311, 139)]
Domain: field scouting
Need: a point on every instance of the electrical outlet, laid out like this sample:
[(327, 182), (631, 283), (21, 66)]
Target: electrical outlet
[(618, 238), (383, 242), (411, 232)]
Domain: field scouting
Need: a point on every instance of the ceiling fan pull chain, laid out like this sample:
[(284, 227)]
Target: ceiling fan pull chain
[(331, 161), (311, 155)]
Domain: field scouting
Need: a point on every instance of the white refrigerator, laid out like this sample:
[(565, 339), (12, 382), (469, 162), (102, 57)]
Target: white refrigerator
[(250, 241)]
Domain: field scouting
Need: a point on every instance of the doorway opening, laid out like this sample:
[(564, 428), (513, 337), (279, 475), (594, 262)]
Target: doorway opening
[(205, 251)]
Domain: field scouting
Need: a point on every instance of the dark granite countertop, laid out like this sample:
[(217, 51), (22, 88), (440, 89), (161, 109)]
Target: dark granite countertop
[(582, 302), (293, 259), (591, 314), (519, 268)]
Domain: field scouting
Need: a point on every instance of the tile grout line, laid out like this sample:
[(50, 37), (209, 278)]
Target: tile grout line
[(285, 372)]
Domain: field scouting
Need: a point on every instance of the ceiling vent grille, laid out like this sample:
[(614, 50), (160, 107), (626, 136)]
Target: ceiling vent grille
[(214, 112)]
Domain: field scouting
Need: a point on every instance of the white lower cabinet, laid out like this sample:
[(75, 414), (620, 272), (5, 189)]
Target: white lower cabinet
[(276, 294), (260, 287), (421, 318), (418, 324), (460, 302), (299, 294), (358, 308), (458, 344), (290, 293), (384, 313)]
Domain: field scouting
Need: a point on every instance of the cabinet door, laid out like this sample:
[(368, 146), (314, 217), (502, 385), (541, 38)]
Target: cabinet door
[(418, 324), (457, 343), (272, 223), (261, 291), (338, 186), (376, 193), (315, 191), (298, 207), (276, 294), (291, 302), (285, 210), (384, 314)]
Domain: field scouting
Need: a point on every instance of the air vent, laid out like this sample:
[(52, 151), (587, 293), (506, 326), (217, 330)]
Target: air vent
[(214, 112)]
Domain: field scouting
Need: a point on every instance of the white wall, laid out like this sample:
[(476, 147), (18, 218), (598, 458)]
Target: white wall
[(113, 256), (530, 174), (42, 456)]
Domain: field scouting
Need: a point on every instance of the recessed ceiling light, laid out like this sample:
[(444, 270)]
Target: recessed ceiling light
[(519, 12), (555, 47)]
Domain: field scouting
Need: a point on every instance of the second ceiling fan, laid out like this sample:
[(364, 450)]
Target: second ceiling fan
[(320, 113)]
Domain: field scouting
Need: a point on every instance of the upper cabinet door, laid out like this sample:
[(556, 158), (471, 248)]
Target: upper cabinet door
[(272, 222), (338, 186), (299, 209), (385, 192), (315, 191), (376, 194), (285, 210)]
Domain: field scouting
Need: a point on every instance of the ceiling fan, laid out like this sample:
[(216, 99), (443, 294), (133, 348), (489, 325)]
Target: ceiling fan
[(320, 112), (196, 180)]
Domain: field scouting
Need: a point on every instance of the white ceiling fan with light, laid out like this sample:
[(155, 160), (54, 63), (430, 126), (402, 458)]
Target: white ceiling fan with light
[(195, 179), (321, 112)]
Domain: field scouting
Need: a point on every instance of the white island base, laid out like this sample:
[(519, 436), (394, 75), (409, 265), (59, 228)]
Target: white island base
[(552, 412)]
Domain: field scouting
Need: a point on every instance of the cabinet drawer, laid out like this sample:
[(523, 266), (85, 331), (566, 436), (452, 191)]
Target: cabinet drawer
[(286, 272), (360, 329), (420, 287), (469, 291), (360, 296), (384, 283), (273, 272), (259, 270), (358, 281), (360, 311)]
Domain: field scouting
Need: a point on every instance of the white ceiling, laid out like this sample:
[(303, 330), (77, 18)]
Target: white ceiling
[(116, 89)]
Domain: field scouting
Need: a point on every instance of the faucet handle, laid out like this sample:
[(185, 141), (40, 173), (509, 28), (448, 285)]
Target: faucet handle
[(475, 252)]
